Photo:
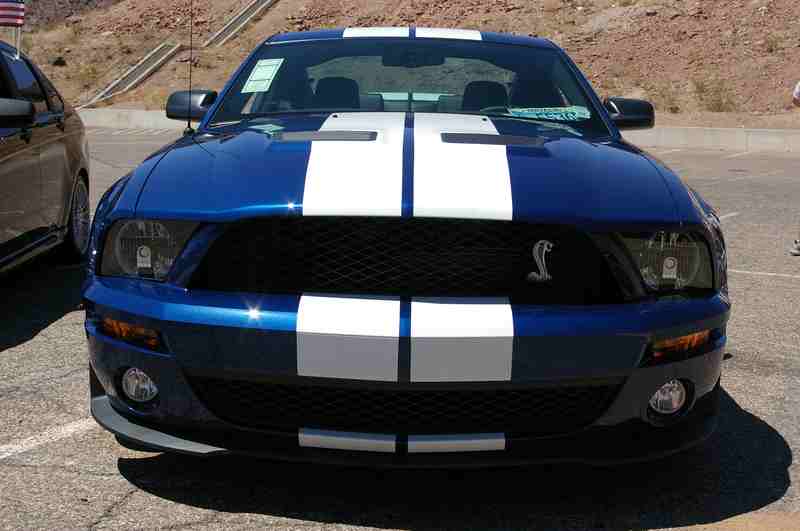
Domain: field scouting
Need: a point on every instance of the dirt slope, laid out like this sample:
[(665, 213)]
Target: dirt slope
[(693, 58), (98, 40)]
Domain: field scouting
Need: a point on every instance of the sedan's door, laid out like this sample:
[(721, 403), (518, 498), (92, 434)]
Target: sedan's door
[(58, 176), (20, 180)]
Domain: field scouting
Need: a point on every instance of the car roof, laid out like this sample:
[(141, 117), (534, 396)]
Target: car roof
[(412, 33), (6, 47)]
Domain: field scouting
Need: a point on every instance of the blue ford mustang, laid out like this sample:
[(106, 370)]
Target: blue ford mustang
[(407, 247)]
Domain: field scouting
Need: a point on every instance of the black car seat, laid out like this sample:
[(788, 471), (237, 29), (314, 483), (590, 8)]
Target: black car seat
[(535, 93), (482, 94), (336, 93)]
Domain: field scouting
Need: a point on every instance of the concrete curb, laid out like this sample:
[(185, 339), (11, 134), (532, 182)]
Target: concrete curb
[(129, 119), (766, 140)]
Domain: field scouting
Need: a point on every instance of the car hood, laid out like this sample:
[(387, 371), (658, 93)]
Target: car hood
[(425, 165)]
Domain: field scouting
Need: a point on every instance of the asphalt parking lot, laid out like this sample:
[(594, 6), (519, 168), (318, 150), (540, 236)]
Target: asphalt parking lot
[(59, 470)]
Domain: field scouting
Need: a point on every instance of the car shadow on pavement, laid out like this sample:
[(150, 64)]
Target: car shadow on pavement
[(37, 295), (743, 467)]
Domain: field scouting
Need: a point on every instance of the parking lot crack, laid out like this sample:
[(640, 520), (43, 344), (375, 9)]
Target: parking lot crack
[(112, 508)]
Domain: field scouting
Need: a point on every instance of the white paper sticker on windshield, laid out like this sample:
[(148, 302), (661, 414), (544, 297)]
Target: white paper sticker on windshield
[(261, 77), (562, 114)]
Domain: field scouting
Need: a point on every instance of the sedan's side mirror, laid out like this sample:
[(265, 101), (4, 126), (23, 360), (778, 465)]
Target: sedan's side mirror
[(190, 105), (629, 114), (16, 113)]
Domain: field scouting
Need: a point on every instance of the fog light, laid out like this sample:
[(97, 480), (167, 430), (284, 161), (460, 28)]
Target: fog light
[(670, 398), (138, 386)]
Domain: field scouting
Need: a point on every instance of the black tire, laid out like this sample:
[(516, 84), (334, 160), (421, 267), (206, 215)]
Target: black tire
[(75, 246)]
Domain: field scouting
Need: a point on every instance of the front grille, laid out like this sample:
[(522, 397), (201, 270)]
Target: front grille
[(399, 409), (406, 257)]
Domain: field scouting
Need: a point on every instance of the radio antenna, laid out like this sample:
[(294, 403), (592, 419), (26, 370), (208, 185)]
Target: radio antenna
[(189, 130)]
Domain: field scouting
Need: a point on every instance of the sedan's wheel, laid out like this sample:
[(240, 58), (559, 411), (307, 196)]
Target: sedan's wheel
[(76, 243)]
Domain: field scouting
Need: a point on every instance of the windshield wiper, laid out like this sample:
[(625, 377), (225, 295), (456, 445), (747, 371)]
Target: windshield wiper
[(255, 116)]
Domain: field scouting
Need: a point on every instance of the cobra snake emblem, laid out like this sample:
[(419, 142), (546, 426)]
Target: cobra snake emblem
[(540, 251)]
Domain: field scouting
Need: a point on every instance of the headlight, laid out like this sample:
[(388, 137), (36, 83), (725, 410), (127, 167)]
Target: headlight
[(671, 261), (144, 248)]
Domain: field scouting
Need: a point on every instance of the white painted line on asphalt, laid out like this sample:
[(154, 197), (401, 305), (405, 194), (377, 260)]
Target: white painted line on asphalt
[(46, 437), (729, 215), (667, 152), (763, 274), (749, 177), (736, 155)]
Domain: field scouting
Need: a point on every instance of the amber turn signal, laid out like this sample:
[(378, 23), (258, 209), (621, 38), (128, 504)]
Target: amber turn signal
[(130, 333), (680, 344)]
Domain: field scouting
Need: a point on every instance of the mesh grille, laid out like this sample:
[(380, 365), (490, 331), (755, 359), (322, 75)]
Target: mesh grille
[(392, 409), (405, 257)]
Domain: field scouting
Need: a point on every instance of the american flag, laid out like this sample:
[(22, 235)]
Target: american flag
[(12, 13)]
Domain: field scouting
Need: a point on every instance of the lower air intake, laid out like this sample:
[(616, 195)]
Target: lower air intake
[(404, 409)]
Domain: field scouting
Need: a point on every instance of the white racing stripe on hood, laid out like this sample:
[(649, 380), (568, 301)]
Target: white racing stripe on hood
[(354, 178), (456, 340), (459, 180), (353, 338)]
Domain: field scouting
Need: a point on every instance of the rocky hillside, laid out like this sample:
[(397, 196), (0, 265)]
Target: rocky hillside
[(42, 13), (688, 56)]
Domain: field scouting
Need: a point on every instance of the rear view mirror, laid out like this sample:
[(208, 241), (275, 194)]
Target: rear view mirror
[(190, 105), (630, 114), (411, 57), (16, 113)]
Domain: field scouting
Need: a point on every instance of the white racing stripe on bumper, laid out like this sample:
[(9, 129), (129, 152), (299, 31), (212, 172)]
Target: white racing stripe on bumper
[(448, 33), (376, 32), (461, 341), (341, 440), (459, 180), (356, 178), (479, 442), (350, 338)]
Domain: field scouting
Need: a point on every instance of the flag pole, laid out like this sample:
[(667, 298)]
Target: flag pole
[(18, 30)]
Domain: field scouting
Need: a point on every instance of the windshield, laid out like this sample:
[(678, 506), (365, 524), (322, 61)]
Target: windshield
[(401, 75)]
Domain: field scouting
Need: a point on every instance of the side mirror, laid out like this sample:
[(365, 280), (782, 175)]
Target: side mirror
[(16, 113), (190, 105), (629, 114)]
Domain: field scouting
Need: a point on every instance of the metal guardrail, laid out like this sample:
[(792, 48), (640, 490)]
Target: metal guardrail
[(167, 50), (238, 22), (138, 72)]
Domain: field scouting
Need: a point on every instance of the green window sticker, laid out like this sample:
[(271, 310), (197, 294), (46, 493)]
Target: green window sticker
[(562, 114), (269, 129), (261, 77)]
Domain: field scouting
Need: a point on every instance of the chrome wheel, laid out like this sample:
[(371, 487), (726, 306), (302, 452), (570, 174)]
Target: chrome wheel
[(80, 218)]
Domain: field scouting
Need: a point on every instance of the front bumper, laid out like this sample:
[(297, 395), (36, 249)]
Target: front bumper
[(630, 442), (212, 333)]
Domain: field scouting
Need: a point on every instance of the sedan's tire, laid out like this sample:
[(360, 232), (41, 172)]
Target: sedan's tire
[(76, 241)]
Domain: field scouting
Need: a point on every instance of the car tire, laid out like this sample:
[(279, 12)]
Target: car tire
[(76, 240)]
